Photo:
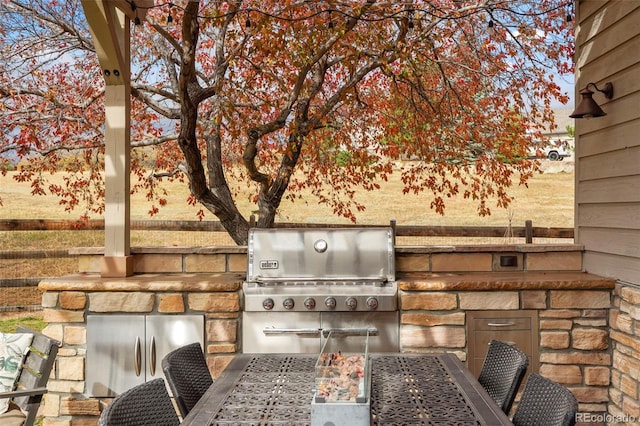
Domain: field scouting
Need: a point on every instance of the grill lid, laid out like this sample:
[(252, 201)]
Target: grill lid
[(321, 254)]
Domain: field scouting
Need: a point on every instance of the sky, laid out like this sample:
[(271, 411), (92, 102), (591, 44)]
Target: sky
[(567, 84)]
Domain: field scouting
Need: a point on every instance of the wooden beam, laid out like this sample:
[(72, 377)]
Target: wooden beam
[(107, 24), (133, 8)]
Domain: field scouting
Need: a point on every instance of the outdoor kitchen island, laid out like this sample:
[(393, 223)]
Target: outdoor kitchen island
[(438, 287)]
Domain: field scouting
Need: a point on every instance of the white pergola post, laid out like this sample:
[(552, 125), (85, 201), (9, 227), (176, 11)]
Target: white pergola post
[(110, 23), (117, 260)]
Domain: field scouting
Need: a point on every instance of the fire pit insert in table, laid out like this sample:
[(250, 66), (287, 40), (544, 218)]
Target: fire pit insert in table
[(342, 384)]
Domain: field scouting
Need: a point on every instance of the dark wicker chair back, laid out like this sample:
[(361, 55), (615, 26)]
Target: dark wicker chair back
[(188, 375), (145, 404), (32, 381), (502, 373), (545, 402)]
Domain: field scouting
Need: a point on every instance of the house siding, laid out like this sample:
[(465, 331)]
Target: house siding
[(608, 148), (608, 183)]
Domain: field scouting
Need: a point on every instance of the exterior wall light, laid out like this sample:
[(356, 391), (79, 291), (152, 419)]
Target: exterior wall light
[(588, 107)]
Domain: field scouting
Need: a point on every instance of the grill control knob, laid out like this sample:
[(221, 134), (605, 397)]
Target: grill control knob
[(268, 304), (288, 303), (330, 302), (372, 303), (309, 303), (352, 303)]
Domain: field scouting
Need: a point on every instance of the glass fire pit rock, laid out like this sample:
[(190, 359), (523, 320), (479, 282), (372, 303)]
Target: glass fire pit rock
[(342, 393)]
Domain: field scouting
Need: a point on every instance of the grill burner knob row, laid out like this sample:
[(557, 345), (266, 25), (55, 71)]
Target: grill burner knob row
[(309, 303), (288, 303), (268, 304)]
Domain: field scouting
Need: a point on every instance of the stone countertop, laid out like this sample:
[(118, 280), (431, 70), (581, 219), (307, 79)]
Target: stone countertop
[(482, 281), (416, 281), (200, 282)]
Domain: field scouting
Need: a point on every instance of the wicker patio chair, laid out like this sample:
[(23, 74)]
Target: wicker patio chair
[(187, 374), (545, 403), (31, 384), (502, 373), (147, 404)]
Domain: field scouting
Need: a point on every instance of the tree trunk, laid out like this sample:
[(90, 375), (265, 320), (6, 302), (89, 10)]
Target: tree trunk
[(215, 195)]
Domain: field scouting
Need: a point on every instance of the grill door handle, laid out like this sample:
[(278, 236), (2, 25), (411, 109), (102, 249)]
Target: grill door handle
[(372, 331), (299, 331)]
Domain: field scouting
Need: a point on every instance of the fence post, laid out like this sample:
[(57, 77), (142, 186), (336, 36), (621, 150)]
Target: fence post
[(392, 223), (528, 231)]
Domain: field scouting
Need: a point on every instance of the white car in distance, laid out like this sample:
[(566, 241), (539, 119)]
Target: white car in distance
[(554, 151)]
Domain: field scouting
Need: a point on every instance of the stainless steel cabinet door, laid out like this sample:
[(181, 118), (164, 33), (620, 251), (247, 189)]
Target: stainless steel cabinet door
[(126, 350), (115, 353), (165, 333)]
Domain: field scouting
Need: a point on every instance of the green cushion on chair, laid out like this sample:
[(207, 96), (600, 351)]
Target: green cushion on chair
[(13, 347)]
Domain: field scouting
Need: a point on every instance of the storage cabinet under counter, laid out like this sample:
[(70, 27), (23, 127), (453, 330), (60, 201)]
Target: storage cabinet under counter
[(519, 328), (124, 351)]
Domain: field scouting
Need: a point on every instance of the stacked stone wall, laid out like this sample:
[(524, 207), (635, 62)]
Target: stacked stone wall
[(624, 394)]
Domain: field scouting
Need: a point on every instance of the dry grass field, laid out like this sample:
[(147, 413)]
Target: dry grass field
[(548, 202)]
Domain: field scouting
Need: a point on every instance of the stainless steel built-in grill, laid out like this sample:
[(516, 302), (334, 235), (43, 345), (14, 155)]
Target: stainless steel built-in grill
[(303, 283)]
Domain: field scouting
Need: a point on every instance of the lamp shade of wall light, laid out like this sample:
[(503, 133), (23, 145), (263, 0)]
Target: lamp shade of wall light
[(587, 107)]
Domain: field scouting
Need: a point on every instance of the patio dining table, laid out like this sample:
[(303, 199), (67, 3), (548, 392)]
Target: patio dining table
[(406, 389)]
